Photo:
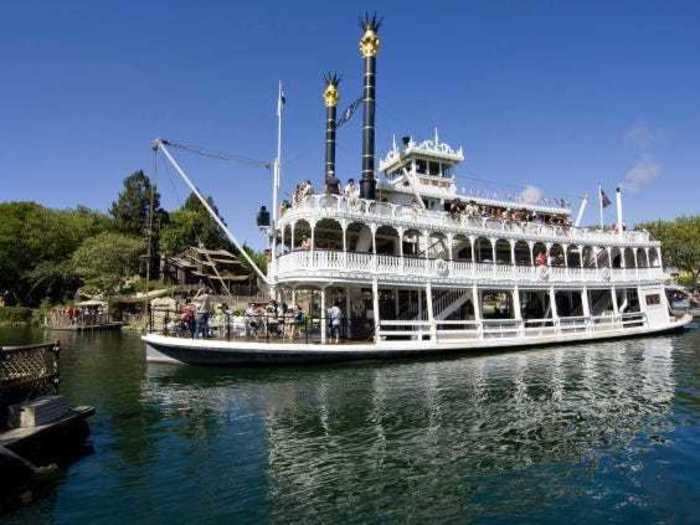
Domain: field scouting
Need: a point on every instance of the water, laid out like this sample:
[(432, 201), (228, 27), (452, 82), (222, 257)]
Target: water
[(590, 433)]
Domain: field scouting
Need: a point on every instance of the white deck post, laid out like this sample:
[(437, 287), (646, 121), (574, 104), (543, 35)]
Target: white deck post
[(553, 305), (373, 229), (375, 308), (516, 303), (323, 316), (420, 313), (477, 309), (471, 244), (616, 311), (585, 305), (401, 264), (493, 252), (344, 226), (429, 306), (312, 249), (348, 313)]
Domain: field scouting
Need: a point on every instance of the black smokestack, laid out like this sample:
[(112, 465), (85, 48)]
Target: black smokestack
[(331, 96), (369, 47)]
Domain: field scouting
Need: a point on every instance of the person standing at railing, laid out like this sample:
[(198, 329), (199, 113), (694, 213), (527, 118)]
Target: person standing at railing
[(352, 193), (203, 312)]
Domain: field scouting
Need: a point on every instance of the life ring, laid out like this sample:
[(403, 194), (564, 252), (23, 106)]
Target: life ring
[(543, 272), (441, 267)]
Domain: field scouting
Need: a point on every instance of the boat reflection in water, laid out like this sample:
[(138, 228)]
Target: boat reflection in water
[(396, 439)]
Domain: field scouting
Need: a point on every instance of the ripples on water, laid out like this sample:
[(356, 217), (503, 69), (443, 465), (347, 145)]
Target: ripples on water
[(605, 432)]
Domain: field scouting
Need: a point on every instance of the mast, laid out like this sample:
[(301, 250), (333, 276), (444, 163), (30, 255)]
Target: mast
[(369, 47), (331, 96)]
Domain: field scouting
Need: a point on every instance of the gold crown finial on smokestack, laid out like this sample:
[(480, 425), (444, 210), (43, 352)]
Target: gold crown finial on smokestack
[(331, 95), (369, 42)]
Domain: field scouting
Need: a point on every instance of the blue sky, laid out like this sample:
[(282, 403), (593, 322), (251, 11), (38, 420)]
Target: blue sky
[(560, 97)]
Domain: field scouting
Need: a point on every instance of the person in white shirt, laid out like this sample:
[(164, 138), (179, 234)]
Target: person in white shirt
[(335, 314)]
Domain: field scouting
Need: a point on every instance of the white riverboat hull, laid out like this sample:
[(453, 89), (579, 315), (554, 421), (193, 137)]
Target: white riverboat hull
[(177, 350)]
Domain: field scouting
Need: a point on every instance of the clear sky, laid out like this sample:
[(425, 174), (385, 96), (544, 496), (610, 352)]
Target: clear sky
[(558, 96)]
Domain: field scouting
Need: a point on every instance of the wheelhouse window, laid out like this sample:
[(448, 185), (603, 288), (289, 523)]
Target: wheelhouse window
[(434, 169)]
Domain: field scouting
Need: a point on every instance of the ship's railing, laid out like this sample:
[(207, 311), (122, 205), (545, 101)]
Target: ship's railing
[(456, 331), (331, 206), (227, 326), (304, 263)]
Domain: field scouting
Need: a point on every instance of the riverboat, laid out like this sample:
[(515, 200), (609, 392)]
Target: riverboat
[(412, 266)]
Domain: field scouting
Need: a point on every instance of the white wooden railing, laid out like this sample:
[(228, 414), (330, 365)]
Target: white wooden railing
[(456, 331), (300, 264), (319, 206)]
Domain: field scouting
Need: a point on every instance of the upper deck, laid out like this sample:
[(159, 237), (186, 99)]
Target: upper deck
[(316, 207)]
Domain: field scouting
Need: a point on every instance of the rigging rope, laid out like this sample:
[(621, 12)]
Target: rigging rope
[(217, 155)]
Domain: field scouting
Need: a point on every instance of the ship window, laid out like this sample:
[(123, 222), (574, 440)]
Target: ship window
[(434, 168), (497, 304), (627, 300), (569, 303), (653, 299), (421, 167)]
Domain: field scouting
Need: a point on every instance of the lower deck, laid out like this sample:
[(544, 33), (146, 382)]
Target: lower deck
[(168, 349), (345, 314)]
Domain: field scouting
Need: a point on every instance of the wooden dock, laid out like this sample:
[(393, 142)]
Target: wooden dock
[(87, 327)]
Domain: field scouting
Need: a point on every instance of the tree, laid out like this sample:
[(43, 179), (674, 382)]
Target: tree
[(132, 209), (36, 244), (106, 260), (259, 258), (191, 225), (680, 243)]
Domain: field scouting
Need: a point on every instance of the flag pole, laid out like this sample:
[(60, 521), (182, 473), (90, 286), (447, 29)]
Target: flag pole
[(276, 177), (278, 159), (600, 202)]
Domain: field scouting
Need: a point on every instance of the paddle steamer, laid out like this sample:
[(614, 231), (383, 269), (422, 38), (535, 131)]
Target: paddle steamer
[(418, 267)]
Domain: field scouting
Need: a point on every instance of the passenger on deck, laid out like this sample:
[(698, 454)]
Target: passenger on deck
[(335, 315)]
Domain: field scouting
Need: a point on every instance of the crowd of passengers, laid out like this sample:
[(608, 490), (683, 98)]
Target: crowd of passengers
[(456, 208), (199, 318)]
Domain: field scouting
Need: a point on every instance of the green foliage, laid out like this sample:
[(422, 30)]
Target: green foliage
[(15, 315), (191, 225), (131, 209), (36, 244), (259, 258), (680, 243), (106, 260)]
